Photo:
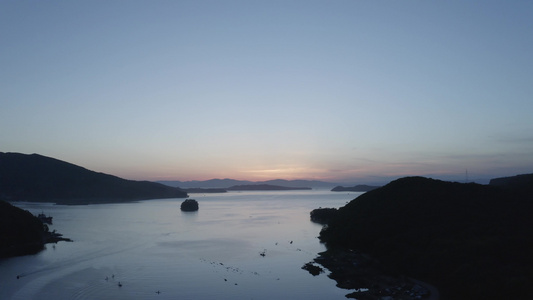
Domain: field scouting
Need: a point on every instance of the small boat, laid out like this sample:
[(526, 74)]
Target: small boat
[(44, 218)]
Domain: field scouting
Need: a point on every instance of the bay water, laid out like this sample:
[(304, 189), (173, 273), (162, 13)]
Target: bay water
[(239, 245)]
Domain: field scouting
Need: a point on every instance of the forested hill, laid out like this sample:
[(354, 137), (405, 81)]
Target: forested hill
[(516, 184), (472, 241), (21, 232), (43, 179)]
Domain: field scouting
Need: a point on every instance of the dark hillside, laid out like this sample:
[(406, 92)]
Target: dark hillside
[(522, 184), (39, 178), (472, 241), (20, 232)]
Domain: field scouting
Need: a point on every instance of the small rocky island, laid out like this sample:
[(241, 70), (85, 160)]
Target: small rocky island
[(189, 205)]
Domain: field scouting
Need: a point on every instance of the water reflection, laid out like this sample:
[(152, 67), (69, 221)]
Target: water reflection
[(150, 246)]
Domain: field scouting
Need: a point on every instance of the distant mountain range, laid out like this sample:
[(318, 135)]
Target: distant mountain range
[(39, 178), (227, 183), (264, 187)]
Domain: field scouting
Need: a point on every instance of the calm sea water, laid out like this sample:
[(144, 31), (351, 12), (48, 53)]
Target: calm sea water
[(151, 246)]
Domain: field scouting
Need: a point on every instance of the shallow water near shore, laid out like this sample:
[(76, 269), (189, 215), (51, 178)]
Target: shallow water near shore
[(151, 246)]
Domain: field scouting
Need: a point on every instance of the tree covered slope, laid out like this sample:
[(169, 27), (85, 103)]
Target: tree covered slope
[(39, 178), (472, 241)]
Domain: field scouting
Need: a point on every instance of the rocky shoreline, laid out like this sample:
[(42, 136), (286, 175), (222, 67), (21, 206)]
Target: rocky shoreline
[(54, 237), (367, 277), (470, 240), (22, 233)]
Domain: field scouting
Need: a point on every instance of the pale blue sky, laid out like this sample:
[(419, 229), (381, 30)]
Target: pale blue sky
[(330, 90)]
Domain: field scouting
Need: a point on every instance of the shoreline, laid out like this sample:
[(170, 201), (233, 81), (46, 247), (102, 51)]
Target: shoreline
[(369, 280)]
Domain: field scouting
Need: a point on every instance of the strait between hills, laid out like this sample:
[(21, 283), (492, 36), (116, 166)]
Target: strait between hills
[(472, 241)]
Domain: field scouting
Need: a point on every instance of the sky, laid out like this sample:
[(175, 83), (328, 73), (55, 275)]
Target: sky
[(342, 91)]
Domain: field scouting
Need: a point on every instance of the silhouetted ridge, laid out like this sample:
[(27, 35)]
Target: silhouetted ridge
[(39, 178), (519, 183), (472, 241)]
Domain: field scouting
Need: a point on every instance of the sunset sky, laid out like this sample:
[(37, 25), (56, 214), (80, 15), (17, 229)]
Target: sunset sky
[(345, 91)]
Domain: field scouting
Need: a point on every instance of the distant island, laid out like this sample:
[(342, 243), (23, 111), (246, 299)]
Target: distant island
[(225, 183), (357, 188), (204, 190), (264, 187), (244, 187), (471, 241), (39, 178)]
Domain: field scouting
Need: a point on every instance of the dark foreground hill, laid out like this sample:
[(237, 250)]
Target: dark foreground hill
[(20, 232), (44, 179), (472, 241), (522, 184)]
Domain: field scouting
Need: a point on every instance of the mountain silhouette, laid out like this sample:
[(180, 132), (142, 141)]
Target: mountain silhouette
[(472, 241), (39, 178), (226, 183)]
